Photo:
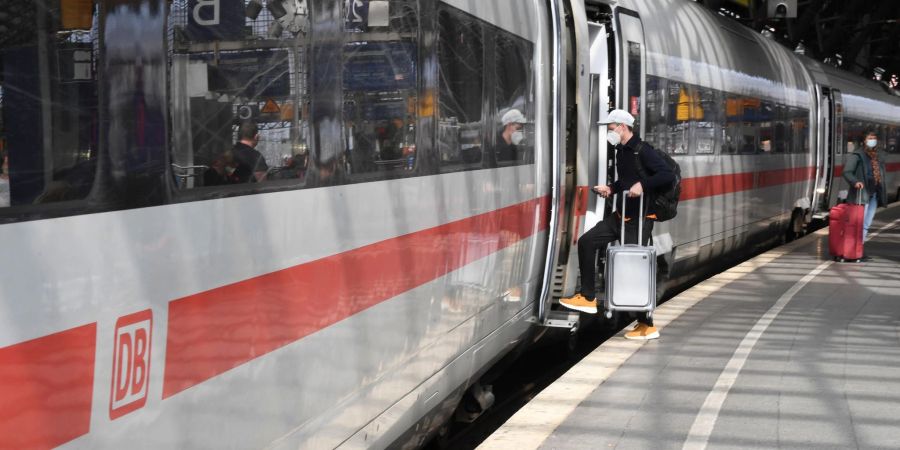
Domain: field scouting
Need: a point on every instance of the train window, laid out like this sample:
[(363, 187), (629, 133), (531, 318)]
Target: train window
[(706, 121), (893, 136), (686, 119), (352, 119), (655, 131), (733, 121), (854, 133), (48, 104), (461, 96), (635, 75), (380, 94), (684, 104), (799, 127), (781, 130), (238, 99), (766, 127), (513, 98), (752, 116)]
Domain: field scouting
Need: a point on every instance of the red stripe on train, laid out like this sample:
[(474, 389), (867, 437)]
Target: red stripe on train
[(214, 331), (46, 385), (710, 186), (771, 178), (700, 187)]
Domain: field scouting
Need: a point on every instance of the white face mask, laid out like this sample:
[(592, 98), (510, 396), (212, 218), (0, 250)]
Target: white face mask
[(871, 143), (613, 138), (517, 137)]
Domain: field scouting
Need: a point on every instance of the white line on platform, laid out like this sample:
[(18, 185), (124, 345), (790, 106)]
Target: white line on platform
[(706, 419), (698, 437)]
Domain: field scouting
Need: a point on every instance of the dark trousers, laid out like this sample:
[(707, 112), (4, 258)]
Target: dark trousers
[(596, 240)]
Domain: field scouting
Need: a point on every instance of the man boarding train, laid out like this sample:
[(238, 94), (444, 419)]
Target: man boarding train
[(633, 157)]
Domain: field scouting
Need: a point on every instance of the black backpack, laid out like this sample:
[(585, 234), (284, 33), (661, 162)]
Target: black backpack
[(665, 199)]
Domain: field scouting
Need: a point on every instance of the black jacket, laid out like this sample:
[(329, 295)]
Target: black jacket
[(248, 161), (858, 168), (659, 174)]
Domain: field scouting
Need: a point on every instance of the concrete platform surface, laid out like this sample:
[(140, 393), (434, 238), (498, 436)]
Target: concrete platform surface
[(787, 350)]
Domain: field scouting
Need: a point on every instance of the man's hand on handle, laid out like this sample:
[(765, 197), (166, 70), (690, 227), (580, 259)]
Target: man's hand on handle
[(858, 185), (636, 190), (603, 191)]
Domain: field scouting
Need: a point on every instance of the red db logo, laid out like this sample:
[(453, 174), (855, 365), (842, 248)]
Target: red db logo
[(131, 363)]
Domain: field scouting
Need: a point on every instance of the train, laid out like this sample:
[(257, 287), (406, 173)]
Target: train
[(395, 244)]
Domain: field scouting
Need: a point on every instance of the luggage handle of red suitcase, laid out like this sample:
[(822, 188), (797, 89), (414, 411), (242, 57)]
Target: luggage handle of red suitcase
[(640, 219), (859, 197)]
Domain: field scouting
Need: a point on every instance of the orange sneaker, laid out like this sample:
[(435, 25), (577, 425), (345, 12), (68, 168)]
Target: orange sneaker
[(579, 302), (642, 332)]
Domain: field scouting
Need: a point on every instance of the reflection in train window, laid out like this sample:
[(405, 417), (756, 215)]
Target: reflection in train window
[(513, 114), (352, 119), (461, 59), (380, 93), (655, 123), (48, 105), (893, 136), (228, 80), (855, 133), (635, 75), (766, 127), (684, 106), (799, 125), (684, 119)]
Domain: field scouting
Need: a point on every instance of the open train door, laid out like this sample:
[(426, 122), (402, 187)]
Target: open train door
[(609, 67), (830, 137), (590, 35), (837, 143)]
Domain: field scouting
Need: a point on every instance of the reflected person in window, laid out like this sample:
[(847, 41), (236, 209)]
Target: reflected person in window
[(511, 135), (250, 166)]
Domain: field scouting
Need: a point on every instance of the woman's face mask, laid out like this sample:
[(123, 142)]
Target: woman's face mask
[(871, 143), (613, 138)]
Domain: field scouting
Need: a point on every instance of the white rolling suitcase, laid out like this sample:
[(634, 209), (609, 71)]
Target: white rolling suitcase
[(630, 273)]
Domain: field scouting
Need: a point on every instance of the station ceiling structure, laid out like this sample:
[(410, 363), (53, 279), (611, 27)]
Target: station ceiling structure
[(862, 37)]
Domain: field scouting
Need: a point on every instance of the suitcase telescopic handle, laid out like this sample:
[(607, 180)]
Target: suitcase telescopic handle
[(859, 197), (640, 220)]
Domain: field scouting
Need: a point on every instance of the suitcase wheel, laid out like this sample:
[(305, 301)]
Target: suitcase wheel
[(608, 314)]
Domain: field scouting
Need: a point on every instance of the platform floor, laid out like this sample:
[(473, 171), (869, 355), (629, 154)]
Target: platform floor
[(787, 350)]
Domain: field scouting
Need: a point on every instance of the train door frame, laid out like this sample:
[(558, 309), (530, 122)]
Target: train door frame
[(837, 139), (591, 74), (824, 152), (558, 209), (829, 138)]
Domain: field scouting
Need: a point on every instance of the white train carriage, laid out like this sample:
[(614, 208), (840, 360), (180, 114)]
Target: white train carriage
[(389, 244), (848, 107)]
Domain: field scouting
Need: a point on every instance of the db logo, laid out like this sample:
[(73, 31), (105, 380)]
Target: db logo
[(131, 363)]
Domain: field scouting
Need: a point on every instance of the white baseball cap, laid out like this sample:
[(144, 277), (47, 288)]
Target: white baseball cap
[(619, 116), (513, 116)]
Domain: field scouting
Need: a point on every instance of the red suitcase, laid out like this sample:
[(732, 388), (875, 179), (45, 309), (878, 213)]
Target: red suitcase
[(845, 231)]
